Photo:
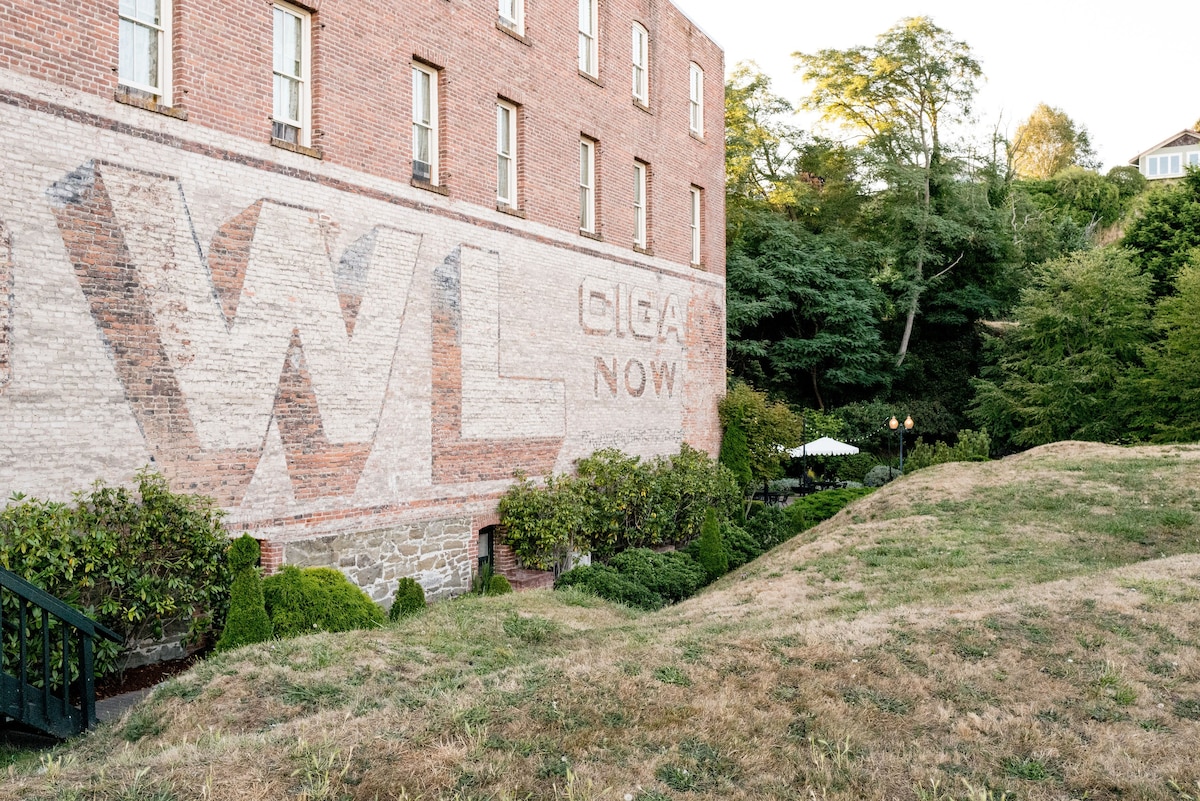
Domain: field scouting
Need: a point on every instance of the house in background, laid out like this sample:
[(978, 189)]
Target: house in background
[(1171, 157)]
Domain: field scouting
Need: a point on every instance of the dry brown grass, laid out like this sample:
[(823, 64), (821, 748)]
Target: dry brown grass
[(999, 630)]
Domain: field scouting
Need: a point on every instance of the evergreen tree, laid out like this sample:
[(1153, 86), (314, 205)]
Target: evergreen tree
[(712, 555)]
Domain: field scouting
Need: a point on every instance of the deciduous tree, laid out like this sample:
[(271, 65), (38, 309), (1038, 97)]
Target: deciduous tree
[(1048, 142)]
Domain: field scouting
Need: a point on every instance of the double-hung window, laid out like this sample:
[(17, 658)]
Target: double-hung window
[(291, 57), (512, 15), (697, 100), (639, 204), (587, 37), (425, 124), (641, 61), (695, 223), (506, 154), (587, 186), (144, 45)]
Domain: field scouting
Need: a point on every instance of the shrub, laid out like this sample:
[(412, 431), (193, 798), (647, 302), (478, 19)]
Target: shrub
[(408, 600), (605, 582), (879, 475), (740, 547), (853, 467), (498, 585), (616, 502), (247, 622), (712, 556), (769, 526), (304, 600), (137, 561), (672, 575), (806, 512), (971, 447)]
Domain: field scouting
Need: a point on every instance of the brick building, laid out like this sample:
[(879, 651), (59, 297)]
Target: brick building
[(346, 266)]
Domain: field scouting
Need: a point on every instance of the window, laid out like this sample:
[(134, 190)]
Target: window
[(697, 100), (291, 59), (506, 153), (512, 15), (587, 185), (425, 127), (587, 36), (144, 59), (639, 204), (641, 55), (695, 217), (1193, 159)]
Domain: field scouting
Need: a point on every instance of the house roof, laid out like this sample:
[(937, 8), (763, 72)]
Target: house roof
[(1174, 139)]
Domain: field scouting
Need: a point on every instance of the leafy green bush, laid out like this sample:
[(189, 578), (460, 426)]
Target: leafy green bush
[(971, 447), (806, 512), (605, 582), (712, 555), (137, 561), (247, 622), (853, 467), (305, 600), (615, 502), (672, 575), (408, 600), (498, 585), (769, 526), (740, 546)]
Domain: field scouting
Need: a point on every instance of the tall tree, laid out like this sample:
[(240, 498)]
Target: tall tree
[(1048, 142), (1169, 397), (1166, 231), (902, 95), (1080, 328)]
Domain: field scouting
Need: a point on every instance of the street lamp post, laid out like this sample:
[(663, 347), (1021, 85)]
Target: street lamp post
[(895, 424)]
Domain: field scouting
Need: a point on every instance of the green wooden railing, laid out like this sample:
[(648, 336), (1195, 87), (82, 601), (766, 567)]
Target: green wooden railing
[(47, 681)]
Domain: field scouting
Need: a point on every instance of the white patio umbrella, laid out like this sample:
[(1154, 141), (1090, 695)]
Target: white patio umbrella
[(825, 446)]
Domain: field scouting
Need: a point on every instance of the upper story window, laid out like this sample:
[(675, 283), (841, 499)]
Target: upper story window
[(587, 185), (587, 37), (144, 60), (695, 223), (697, 100), (641, 61), (506, 153), (512, 15), (1170, 164), (291, 58), (425, 124), (639, 204)]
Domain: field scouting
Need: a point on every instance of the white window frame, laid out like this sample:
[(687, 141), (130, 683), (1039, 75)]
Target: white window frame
[(588, 35), (587, 185), (1193, 159), (640, 204), (506, 160), (696, 99), (163, 31), (695, 200), (641, 63), (419, 72), (304, 122), (516, 21)]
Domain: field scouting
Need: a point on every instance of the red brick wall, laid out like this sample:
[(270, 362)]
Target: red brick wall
[(362, 55)]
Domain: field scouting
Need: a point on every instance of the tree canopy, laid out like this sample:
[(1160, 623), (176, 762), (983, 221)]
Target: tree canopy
[(1049, 142)]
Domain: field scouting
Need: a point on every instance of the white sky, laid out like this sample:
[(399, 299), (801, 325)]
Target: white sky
[(1127, 72)]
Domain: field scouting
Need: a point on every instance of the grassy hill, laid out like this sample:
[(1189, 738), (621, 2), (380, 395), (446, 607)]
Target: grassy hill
[(1021, 629)]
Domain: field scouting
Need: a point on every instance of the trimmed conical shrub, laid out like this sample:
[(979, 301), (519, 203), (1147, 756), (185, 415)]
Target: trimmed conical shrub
[(247, 621), (712, 555), (409, 599)]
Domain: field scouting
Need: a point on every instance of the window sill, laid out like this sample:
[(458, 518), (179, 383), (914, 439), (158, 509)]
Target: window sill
[(149, 104), (644, 251), (591, 235), (591, 78), (643, 106), (520, 37), (697, 136), (429, 187), (511, 210), (283, 144)]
